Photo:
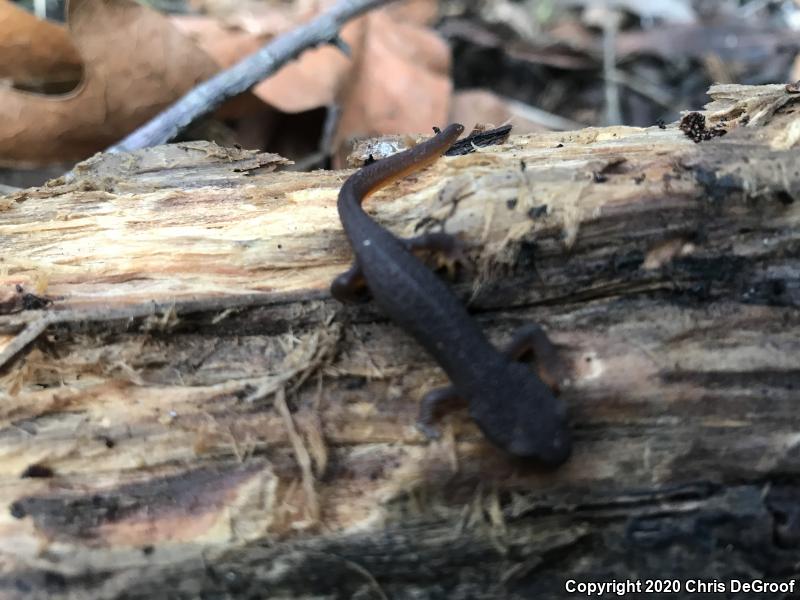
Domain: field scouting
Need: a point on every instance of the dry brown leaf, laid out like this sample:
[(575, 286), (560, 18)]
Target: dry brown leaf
[(421, 12), (309, 82), (400, 82), (301, 85), (136, 63), (35, 53), (270, 18), (256, 16), (226, 45), (482, 106)]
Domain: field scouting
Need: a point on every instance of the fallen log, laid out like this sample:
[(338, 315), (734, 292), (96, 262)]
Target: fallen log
[(185, 412)]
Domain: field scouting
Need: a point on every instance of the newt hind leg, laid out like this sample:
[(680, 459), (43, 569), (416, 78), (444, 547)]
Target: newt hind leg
[(350, 286), (531, 341), (434, 403)]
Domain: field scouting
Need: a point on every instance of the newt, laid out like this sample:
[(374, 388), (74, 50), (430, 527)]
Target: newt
[(511, 404)]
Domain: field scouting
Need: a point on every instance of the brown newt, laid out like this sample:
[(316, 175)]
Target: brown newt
[(511, 404)]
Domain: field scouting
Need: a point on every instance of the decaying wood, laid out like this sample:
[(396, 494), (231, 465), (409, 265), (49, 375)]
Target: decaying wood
[(197, 418)]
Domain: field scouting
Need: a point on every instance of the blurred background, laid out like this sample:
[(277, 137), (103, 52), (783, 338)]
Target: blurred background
[(76, 78)]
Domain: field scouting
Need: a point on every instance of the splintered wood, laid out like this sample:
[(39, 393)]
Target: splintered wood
[(185, 408)]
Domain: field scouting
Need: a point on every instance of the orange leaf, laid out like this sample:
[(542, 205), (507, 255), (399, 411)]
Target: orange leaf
[(34, 53), (314, 79), (400, 83), (304, 84), (136, 63)]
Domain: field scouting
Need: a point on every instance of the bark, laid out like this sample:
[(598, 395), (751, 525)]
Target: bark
[(195, 417)]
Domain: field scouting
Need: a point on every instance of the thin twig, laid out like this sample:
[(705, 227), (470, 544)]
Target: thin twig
[(200, 101), (541, 117), (301, 454), (31, 331), (641, 86)]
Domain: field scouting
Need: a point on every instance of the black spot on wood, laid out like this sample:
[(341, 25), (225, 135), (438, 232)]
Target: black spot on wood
[(771, 292), (718, 188), (630, 261), (37, 471), (354, 382), (79, 515), (714, 268), (537, 211), (17, 510), (694, 126), (783, 503)]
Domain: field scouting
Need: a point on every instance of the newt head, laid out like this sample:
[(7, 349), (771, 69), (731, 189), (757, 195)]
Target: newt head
[(521, 415)]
